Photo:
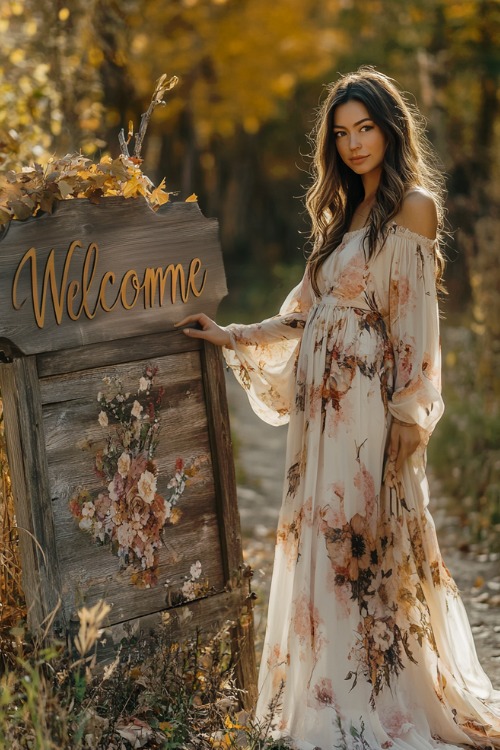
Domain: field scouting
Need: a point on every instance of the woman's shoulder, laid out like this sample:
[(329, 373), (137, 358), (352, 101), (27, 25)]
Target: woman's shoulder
[(418, 213)]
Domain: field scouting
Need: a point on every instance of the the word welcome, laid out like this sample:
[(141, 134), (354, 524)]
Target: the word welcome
[(86, 295)]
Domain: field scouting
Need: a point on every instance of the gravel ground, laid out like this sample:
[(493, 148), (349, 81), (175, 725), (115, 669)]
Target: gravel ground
[(260, 457)]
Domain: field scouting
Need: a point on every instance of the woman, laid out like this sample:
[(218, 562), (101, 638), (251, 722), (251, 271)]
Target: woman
[(368, 644)]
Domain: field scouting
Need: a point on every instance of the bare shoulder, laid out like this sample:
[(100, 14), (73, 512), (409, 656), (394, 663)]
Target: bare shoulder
[(418, 213)]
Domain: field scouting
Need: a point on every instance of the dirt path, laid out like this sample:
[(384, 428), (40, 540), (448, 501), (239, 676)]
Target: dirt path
[(260, 456)]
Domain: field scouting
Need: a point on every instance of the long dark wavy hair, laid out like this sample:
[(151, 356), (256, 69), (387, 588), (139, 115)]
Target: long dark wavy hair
[(409, 163)]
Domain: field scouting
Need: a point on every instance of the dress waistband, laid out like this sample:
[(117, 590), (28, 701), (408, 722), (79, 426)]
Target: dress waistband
[(329, 299)]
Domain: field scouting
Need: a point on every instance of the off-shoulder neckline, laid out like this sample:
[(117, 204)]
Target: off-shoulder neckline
[(398, 229)]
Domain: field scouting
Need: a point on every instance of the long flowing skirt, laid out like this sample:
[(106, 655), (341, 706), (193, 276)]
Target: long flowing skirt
[(368, 644)]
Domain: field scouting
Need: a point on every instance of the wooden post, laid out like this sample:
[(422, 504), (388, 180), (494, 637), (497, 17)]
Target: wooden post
[(29, 476), (229, 522)]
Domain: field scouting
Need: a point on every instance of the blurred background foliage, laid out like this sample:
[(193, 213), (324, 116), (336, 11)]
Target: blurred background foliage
[(73, 72)]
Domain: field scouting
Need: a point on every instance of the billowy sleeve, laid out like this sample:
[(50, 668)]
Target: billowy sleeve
[(414, 332), (264, 355)]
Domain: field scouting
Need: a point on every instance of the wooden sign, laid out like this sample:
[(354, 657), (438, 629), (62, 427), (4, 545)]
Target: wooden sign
[(116, 423), (74, 278)]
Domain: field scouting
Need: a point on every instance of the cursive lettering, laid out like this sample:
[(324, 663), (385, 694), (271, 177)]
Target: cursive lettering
[(86, 294)]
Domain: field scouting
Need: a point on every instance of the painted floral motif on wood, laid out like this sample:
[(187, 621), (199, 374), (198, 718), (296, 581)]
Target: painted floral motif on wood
[(129, 513)]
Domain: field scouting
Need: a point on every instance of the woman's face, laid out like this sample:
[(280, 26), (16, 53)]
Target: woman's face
[(360, 142)]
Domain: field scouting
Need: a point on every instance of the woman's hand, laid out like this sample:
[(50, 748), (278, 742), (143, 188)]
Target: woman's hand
[(210, 331), (404, 440)]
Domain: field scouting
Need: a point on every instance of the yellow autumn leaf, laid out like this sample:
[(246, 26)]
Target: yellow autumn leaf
[(159, 195), (131, 188), (192, 198), (229, 723)]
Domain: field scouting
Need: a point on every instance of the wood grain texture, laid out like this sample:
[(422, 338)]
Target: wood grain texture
[(129, 236), (237, 575), (27, 545), (97, 575), (73, 436), (224, 475), (114, 352), (30, 486), (244, 650)]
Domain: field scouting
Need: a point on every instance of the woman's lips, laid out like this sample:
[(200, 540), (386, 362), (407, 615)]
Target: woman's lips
[(358, 159)]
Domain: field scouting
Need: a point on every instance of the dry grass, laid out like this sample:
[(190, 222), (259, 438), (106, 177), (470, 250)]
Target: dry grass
[(155, 694)]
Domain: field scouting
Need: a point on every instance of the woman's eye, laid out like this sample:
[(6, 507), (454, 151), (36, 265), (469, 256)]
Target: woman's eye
[(365, 128), (338, 133)]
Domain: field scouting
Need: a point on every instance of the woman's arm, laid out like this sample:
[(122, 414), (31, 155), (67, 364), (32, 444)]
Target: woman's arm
[(262, 355), (418, 214), (287, 324)]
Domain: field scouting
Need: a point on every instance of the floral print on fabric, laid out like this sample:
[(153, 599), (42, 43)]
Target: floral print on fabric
[(368, 644)]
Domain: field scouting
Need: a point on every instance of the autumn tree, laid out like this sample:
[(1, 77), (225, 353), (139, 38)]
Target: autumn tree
[(50, 89)]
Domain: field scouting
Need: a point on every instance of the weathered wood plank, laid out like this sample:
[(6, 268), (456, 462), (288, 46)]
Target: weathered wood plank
[(27, 543), (29, 471), (69, 471), (68, 478), (73, 434), (98, 257), (90, 572), (114, 352), (94, 572), (204, 615), (244, 647), (84, 385), (224, 476), (70, 418), (96, 575), (229, 520)]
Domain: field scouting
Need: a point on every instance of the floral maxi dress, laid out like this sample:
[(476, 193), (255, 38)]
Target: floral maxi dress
[(368, 644)]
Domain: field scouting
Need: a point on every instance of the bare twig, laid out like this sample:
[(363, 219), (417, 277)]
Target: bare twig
[(123, 144), (162, 86)]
